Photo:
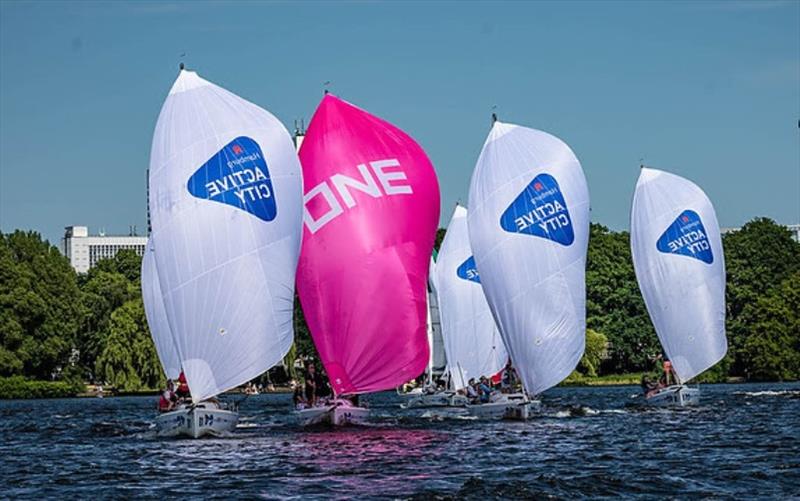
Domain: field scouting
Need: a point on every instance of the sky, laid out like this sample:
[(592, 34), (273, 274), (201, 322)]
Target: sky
[(707, 90)]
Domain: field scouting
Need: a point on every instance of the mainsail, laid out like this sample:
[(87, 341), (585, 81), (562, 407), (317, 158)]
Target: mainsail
[(529, 230), (371, 209), (225, 204), (471, 339), (677, 255), (157, 316)]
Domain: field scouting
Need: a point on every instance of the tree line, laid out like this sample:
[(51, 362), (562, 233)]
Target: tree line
[(56, 324)]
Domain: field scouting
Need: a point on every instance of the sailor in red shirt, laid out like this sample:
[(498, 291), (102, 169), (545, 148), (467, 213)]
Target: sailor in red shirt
[(183, 387), (168, 398)]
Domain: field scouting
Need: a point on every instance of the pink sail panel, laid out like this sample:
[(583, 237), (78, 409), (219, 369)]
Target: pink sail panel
[(371, 211)]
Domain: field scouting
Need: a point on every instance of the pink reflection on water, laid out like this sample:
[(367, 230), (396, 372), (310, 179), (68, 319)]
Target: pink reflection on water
[(370, 457)]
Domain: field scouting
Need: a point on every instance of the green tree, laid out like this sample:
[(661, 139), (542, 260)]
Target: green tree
[(40, 310), (129, 360), (437, 243), (126, 262), (101, 294), (303, 346), (758, 258), (614, 305), (596, 351), (771, 350)]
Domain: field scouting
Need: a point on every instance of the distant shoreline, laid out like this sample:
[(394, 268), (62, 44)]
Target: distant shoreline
[(91, 392)]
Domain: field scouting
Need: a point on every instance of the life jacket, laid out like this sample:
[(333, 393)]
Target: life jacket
[(183, 387), (164, 403)]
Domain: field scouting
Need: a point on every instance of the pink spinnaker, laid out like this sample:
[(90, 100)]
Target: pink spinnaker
[(371, 211)]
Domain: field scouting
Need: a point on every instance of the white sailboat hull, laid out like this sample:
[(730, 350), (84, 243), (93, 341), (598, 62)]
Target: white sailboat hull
[(514, 406), (439, 399), (340, 412), (674, 396), (196, 421)]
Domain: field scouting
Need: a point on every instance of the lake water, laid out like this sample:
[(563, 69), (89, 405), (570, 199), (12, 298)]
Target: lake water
[(743, 441)]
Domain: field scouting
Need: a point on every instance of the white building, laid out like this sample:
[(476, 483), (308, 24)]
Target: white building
[(84, 250), (795, 229)]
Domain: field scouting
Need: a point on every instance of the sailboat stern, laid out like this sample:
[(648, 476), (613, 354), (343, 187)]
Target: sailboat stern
[(674, 396), (196, 422), (514, 406), (341, 412)]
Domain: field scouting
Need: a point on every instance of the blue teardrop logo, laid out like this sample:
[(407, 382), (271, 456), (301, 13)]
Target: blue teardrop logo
[(540, 210), (687, 236), (468, 271), (237, 175)]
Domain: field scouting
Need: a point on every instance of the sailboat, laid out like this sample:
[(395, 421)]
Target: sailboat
[(680, 267), (371, 210), (206, 418), (225, 204), (471, 340), (529, 230)]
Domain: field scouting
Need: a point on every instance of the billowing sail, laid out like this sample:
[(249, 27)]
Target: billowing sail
[(677, 255), (157, 315), (529, 230), (472, 342), (226, 211), (371, 209)]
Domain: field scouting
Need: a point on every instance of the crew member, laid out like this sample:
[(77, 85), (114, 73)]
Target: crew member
[(168, 399), (316, 387), (668, 374), (183, 387)]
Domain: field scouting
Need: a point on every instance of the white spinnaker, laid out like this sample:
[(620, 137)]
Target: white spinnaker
[(157, 315), (531, 251), (228, 240), (680, 267), (472, 342)]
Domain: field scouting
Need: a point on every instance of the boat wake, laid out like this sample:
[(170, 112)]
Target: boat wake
[(769, 393), (582, 411)]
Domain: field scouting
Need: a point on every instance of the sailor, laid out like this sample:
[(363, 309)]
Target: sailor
[(316, 387), (484, 390), (472, 393), (183, 387), (647, 385), (168, 399), (299, 400), (509, 378), (668, 376)]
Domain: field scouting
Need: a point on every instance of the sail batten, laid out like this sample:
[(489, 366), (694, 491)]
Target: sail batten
[(680, 267), (528, 227), (225, 204), (371, 208)]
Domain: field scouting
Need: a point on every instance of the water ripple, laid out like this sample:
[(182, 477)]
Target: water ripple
[(586, 442)]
